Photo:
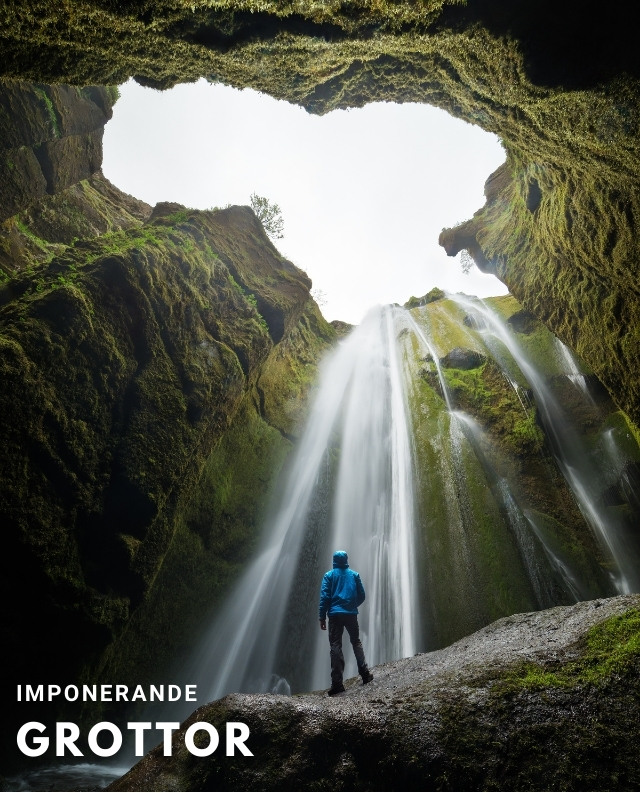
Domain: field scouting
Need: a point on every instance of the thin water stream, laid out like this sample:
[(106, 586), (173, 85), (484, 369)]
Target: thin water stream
[(582, 473), (544, 569)]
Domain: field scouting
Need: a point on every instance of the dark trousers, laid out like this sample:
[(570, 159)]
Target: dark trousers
[(337, 623)]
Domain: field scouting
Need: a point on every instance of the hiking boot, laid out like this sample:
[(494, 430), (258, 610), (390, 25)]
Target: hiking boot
[(336, 688), (367, 677)]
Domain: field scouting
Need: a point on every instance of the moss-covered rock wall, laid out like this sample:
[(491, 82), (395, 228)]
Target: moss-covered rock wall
[(558, 85), (50, 138), (45, 227), (138, 448), (155, 366)]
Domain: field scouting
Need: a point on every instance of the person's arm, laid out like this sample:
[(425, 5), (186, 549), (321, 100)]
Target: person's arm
[(325, 599), (360, 596)]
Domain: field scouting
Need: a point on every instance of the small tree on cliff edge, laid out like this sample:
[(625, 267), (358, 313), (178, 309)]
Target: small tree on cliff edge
[(269, 215)]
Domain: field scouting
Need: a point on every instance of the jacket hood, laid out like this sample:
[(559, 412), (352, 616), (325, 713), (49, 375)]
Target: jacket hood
[(340, 559)]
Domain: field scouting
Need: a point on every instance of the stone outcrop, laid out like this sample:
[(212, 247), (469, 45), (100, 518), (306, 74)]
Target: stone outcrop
[(50, 139), (542, 701), (461, 358), (568, 270), (45, 227), (432, 296)]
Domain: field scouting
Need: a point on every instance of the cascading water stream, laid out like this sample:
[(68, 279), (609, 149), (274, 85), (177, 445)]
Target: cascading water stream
[(265, 635), (484, 548), (582, 476), (373, 509), (531, 544), (572, 370), (426, 344)]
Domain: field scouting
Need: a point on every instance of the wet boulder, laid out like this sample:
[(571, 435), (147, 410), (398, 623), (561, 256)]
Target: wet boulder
[(462, 358), (523, 322), (547, 700)]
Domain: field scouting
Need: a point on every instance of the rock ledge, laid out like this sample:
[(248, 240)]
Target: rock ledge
[(540, 701)]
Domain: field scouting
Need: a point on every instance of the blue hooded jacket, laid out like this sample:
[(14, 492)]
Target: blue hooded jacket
[(341, 591)]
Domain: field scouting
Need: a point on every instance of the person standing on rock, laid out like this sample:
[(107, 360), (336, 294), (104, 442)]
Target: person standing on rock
[(340, 595)]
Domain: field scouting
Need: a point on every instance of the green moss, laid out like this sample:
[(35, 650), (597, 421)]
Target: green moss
[(214, 536), (498, 520), (487, 395), (113, 91), (625, 433), (294, 362), (51, 112), (53, 223), (431, 297), (42, 244), (471, 570), (563, 287), (610, 649), (443, 322)]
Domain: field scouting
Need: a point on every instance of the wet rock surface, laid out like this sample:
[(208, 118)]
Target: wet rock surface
[(461, 358), (50, 139), (468, 717)]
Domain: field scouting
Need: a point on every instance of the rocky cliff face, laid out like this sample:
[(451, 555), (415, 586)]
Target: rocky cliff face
[(133, 355), (154, 369), (514, 468), (50, 138), (139, 348), (46, 226), (534, 701)]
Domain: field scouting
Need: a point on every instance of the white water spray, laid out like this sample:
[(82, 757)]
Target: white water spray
[(530, 543), (373, 511)]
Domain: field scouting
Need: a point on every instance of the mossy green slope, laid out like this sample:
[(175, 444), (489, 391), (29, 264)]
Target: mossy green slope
[(48, 225), (45, 227)]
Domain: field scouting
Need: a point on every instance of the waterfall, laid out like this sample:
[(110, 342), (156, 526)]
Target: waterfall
[(349, 486), (373, 510), (582, 473), (391, 469)]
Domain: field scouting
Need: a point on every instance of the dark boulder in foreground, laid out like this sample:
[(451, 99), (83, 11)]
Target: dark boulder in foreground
[(541, 701)]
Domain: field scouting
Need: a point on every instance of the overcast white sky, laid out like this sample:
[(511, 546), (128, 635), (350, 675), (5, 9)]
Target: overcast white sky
[(364, 193)]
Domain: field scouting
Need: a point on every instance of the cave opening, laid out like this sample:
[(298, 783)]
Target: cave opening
[(364, 193)]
